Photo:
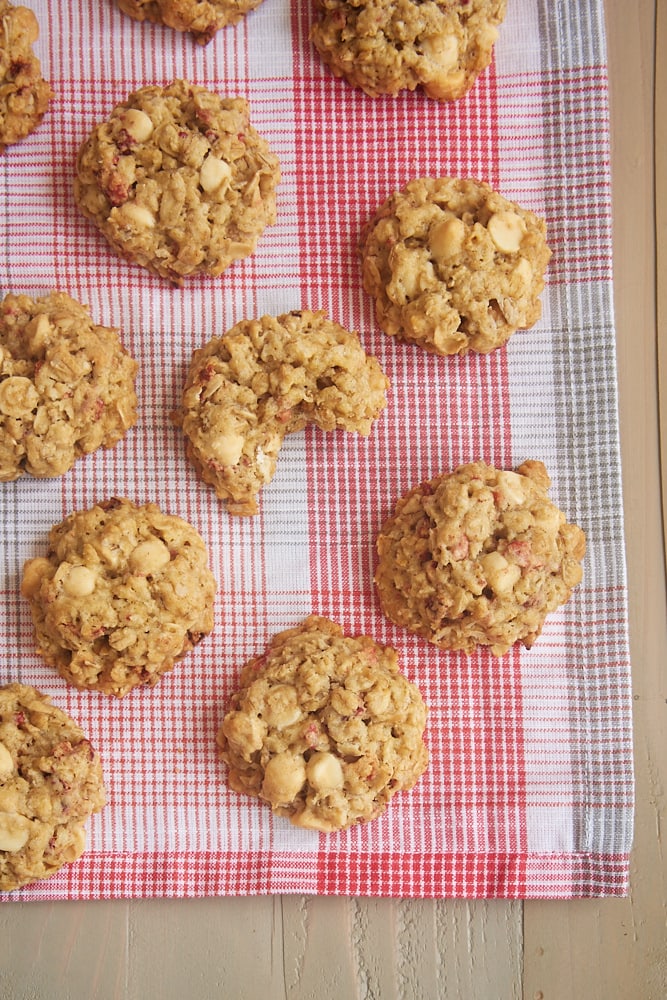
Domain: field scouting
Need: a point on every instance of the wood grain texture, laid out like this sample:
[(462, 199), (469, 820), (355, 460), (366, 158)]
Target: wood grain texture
[(381, 949), (660, 134), (313, 948), (299, 948)]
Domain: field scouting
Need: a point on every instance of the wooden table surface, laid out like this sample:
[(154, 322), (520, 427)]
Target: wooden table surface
[(314, 948)]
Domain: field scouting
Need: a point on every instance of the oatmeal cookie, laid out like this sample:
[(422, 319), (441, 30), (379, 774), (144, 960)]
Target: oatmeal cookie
[(478, 557), (385, 46), (324, 727), (178, 180), (50, 783), (24, 95), (264, 379), (453, 266), (201, 18), (66, 385), (122, 594)]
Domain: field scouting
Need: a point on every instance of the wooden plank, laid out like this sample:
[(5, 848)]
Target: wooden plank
[(660, 134), (206, 948), (285, 948), (55, 952), (393, 949), (616, 948)]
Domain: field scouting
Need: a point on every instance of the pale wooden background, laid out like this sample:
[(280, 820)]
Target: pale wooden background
[(313, 949)]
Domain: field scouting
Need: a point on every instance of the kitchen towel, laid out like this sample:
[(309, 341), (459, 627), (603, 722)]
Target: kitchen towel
[(529, 791)]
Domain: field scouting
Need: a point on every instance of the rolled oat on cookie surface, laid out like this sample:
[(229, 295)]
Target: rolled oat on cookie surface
[(50, 784), (178, 180), (324, 728), (478, 557), (122, 594)]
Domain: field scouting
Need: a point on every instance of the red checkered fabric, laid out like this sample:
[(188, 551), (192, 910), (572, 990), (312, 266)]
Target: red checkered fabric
[(530, 785)]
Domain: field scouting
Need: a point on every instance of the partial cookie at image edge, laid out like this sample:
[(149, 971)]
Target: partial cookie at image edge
[(67, 386), (24, 94), (51, 782), (200, 18)]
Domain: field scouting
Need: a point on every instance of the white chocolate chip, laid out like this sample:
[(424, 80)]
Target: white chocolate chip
[(6, 763), (511, 484), (446, 238), (213, 174), (442, 85), (264, 464), (149, 557), (282, 707), (228, 449), (524, 271), (137, 216), (487, 35), (507, 230), (76, 845), (79, 582), (284, 777), (14, 831), (137, 124), (442, 49), (324, 771), (38, 330), (500, 574), (18, 396)]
